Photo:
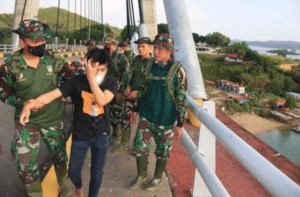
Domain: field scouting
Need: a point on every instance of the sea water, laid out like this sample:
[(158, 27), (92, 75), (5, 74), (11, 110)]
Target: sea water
[(286, 142)]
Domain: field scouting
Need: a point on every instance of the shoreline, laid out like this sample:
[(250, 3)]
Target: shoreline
[(257, 125)]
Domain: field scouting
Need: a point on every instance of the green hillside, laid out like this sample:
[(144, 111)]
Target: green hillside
[(49, 16)]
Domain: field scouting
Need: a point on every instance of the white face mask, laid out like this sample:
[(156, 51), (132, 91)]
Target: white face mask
[(99, 78)]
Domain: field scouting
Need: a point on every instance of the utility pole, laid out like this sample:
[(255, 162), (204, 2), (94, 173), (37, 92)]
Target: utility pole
[(30, 12)]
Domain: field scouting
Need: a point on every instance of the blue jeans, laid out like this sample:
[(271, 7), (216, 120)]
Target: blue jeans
[(79, 149)]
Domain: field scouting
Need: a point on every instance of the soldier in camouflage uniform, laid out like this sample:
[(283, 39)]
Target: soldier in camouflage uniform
[(161, 99), (118, 70), (26, 74), (90, 44), (78, 68), (135, 77), (125, 121), (125, 48)]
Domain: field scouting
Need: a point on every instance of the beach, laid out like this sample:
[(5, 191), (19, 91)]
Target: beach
[(256, 124)]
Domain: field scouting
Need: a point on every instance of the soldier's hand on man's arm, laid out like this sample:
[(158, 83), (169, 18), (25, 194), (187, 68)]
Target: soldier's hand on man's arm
[(35, 104), (24, 116), (177, 132), (132, 95)]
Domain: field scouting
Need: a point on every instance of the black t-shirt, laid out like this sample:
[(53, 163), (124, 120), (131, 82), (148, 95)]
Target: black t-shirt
[(89, 120)]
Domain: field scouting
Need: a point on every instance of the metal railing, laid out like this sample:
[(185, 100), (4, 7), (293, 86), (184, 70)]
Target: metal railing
[(63, 46), (8, 48), (275, 181)]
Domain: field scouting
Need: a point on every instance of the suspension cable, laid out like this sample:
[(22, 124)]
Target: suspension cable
[(89, 12), (24, 9), (75, 23), (141, 12), (92, 21), (95, 23), (128, 20), (58, 8), (85, 13), (68, 19), (133, 18), (103, 30), (80, 18)]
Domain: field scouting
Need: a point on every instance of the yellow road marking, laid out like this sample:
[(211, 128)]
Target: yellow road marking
[(49, 184)]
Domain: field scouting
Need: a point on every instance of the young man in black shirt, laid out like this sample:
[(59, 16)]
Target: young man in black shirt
[(91, 94)]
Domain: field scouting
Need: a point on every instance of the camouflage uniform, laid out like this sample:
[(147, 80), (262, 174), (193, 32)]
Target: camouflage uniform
[(20, 83), (119, 70), (125, 121), (158, 111), (77, 71), (90, 42), (25, 147)]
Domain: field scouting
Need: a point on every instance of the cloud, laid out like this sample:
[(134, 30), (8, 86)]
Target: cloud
[(197, 19)]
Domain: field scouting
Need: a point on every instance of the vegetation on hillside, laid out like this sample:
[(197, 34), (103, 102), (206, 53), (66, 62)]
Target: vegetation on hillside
[(284, 52), (261, 73), (49, 16)]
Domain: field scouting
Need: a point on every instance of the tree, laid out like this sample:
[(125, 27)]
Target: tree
[(291, 102), (124, 32), (246, 107), (254, 101), (283, 53), (163, 28), (196, 37), (288, 83), (202, 38), (217, 39)]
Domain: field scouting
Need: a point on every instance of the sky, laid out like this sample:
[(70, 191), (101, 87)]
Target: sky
[(255, 20)]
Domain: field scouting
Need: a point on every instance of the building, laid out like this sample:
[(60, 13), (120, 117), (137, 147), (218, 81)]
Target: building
[(231, 87), (209, 84), (280, 103), (242, 99), (296, 95), (233, 58)]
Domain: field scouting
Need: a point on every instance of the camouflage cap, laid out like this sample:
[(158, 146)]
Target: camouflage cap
[(76, 63), (124, 43), (110, 39), (144, 40), (90, 42), (164, 40), (34, 30)]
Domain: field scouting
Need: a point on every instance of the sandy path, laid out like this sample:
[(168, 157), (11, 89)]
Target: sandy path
[(254, 123)]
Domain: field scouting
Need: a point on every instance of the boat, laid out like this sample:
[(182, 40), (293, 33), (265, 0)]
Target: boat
[(296, 129)]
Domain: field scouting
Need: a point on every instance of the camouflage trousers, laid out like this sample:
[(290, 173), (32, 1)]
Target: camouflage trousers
[(125, 121), (25, 147), (116, 113), (163, 136)]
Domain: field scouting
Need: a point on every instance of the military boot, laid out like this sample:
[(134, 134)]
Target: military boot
[(160, 168), (64, 188), (124, 145), (62, 180), (116, 137), (142, 174), (34, 190)]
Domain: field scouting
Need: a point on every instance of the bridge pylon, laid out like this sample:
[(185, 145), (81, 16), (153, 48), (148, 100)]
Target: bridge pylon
[(150, 18)]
